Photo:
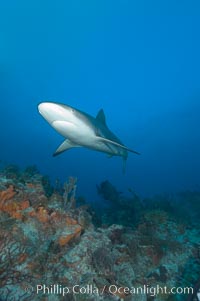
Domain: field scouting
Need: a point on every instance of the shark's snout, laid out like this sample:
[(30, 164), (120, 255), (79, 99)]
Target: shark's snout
[(52, 111)]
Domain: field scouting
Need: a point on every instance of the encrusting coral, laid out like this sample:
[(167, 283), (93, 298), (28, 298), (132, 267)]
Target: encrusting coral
[(46, 238), (6, 195)]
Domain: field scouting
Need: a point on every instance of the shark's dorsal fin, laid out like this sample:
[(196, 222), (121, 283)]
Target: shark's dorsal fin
[(101, 117)]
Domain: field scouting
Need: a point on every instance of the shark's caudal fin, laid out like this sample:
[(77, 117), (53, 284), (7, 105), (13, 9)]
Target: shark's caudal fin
[(67, 144), (124, 165), (117, 144)]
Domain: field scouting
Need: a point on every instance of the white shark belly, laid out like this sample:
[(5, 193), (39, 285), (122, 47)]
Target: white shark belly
[(80, 134)]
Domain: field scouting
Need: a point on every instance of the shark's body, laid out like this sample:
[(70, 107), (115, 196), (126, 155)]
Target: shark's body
[(81, 129)]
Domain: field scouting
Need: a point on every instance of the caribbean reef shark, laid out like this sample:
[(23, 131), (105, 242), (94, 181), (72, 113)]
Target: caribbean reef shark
[(82, 130)]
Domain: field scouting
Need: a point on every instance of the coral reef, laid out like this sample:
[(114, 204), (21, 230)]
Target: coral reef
[(50, 248)]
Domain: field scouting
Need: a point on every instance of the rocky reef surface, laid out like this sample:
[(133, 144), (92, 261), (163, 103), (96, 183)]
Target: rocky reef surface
[(53, 246)]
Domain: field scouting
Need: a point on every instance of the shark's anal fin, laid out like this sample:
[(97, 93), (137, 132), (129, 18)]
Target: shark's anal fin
[(65, 145), (117, 144)]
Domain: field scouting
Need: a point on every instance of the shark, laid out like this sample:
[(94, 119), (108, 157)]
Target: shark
[(83, 130)]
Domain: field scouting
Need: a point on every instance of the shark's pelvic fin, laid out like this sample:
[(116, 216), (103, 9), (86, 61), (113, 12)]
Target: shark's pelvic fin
[(101, 117), (117, 144), (65, 145)]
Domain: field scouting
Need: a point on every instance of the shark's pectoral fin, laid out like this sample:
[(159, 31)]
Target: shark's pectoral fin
[(117, 144), (67, 144)]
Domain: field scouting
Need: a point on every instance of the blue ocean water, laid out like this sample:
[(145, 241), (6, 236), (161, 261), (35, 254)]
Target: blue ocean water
[(138, 60)]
